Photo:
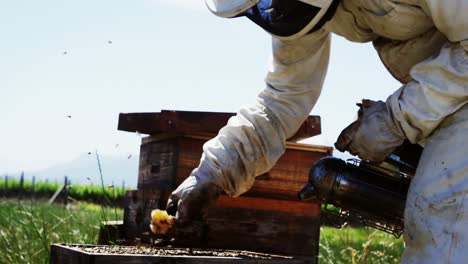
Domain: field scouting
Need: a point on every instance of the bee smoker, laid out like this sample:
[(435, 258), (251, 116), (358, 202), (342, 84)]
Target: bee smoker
[(360, 191)]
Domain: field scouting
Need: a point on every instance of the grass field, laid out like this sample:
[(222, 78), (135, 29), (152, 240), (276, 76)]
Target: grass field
[(28, 228), (359, 245), (80, 192)]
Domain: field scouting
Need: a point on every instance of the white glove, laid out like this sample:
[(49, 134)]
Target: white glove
[(374, 135), (191, 199)]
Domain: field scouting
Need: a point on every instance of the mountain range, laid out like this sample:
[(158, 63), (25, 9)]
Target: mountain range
[(84, 170)]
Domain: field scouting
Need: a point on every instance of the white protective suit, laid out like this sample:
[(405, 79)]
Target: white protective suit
[(424, 44)]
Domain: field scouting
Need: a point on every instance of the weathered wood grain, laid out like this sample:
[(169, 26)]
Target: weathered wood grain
[(283, 181), (158, 162), (193, 122), (248, 223), (263, 231), (296, 208)]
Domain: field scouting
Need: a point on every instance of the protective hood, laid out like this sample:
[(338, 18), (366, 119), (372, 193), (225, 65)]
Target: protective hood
[(229, 8), (284, 19)]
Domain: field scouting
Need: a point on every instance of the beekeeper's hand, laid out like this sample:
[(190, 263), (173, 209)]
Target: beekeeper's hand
[(191, 199), (374, 135)]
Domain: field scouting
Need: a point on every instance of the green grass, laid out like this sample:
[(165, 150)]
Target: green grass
[(79, 192), (358, 245), (28, 228)]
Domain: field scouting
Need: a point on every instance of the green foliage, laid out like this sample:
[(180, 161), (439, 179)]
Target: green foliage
[(80, 192), (28, 228), (358, 245)]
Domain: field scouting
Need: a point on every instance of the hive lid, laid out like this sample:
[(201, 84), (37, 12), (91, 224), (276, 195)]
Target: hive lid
[(195, 122)]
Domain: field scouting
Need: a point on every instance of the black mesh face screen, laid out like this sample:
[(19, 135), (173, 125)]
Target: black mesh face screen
[(328, 15), (282, 18)]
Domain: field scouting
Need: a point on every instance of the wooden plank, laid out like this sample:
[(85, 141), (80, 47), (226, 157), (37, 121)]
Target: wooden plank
[(208, 136), (283, 181), (263, 231), (56, 194), (193, 122), (287, 177), (312, 126), (173, 121), (60, 254), (307, 147), (143, 123), (157, 164), (297, 208)]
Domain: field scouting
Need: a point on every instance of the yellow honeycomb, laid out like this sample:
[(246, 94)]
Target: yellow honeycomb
[(161, 222)]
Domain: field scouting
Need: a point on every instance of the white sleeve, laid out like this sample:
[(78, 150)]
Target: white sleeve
[(253, 140), (450, 18), (440, 83)]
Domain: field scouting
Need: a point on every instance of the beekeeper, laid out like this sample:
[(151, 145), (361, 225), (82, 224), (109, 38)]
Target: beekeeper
[(422, 43)]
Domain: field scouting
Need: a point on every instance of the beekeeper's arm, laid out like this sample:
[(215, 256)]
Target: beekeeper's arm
[(253, 140), (438, 89)]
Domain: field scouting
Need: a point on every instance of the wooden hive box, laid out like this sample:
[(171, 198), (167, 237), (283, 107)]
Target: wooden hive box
[(101, 254), (268, 218)]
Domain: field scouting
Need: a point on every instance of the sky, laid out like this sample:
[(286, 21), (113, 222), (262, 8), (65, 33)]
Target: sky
[(69, 67)]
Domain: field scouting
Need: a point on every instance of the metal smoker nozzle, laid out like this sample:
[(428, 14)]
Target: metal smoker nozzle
[(307, 193)]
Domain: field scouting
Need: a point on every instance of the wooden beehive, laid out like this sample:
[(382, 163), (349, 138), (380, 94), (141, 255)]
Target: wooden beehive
[(268, 218), (90, 254)]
